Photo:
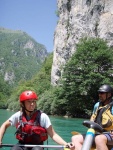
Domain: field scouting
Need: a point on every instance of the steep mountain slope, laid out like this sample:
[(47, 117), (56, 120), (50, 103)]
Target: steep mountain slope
[(20, 55)]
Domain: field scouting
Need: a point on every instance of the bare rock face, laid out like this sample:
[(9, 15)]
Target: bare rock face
[(77, 19)]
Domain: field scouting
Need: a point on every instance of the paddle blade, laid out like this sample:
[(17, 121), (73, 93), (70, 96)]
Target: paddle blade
[(66, 148), (75, 133)]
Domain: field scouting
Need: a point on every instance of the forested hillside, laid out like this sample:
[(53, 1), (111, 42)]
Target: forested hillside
[(20, 56)]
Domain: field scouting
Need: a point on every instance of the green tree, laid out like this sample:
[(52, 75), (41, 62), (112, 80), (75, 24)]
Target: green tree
[(5, 91), (51, 102), (90, 66)]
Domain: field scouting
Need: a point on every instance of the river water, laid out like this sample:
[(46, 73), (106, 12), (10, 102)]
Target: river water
[(63, 126)]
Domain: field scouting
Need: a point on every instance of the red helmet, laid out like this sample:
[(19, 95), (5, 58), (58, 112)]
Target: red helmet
[(27, 95)]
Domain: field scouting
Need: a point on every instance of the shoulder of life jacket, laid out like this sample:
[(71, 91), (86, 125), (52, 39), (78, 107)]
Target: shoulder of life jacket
[(107, 117), (30, 132), (107, 120)]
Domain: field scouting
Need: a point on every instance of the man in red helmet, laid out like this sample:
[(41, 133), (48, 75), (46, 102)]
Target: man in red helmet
[(33, 126)]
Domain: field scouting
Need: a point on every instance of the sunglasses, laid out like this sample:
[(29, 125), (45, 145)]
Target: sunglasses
[(101, 92)]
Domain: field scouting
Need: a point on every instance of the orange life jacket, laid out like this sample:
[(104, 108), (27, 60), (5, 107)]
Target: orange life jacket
[(30, 132)]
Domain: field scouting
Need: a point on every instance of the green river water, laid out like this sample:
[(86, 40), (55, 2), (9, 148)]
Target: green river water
[(63, 126)]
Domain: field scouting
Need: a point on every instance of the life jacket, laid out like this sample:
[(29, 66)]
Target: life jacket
[(104, 116), (30, 132)]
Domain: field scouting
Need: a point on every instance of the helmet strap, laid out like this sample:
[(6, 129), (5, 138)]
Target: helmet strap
[(107, 98)]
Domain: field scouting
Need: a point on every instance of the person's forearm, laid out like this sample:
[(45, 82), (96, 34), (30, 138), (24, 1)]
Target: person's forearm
[(2, 131), (59, 140)]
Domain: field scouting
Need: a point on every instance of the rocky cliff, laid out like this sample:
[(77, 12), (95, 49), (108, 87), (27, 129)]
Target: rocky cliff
[(77, 19)]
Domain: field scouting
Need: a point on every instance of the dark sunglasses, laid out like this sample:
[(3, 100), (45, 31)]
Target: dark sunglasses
[(101, 92)]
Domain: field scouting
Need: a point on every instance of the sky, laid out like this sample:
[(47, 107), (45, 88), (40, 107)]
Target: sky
[(35, 17)]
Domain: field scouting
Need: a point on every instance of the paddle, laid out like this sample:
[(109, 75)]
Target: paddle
[(43, 146), (92, 129), (75, 133)]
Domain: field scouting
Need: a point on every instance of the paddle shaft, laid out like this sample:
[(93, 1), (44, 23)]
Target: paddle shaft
[(26, 145), (76, 133), (88, 139)]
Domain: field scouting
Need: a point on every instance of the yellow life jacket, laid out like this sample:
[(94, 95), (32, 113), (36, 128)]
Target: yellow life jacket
[(104, 117)]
